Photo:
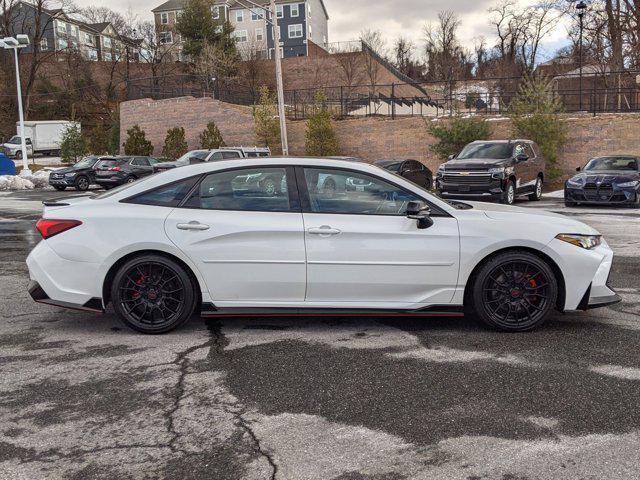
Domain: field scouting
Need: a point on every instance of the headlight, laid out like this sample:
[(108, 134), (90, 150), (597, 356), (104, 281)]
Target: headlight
[(70, 174), (576, 182), (629, 184), (583, 241), (497, 170)]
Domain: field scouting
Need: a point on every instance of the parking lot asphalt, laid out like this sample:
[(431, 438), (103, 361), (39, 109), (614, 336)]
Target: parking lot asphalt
[(82, 397)]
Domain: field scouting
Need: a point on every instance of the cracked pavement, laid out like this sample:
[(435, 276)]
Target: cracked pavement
[(82, 397)]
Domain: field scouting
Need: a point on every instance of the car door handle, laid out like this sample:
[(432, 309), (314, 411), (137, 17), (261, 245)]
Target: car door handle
[(197, 226), (324, 230)]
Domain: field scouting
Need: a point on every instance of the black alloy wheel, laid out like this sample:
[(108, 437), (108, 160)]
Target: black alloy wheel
[(153, 294), (515, 292), (82, 183)]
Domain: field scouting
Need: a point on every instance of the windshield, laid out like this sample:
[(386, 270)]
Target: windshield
[(612, 163), (199, 154), (393, 167), (86, 162), (486, 150), (15, 140)]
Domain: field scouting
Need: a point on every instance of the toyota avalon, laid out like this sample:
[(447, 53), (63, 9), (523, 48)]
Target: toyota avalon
[(192, 241)]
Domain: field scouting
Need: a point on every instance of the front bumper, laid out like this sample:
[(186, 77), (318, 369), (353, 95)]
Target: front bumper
[(614, 196), (484, 189), (66, 182)]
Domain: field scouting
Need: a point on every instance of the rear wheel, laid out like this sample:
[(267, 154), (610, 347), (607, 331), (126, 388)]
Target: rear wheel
[(153, 294), (514, 292), (537, 191), (131, 179), (82, 183)]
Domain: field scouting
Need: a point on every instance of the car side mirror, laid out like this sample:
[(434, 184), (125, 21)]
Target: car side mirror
[(523, 157), (421, 212), (578, 169), (451, 157)]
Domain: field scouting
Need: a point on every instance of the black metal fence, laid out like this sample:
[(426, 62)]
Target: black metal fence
[(612, 92)]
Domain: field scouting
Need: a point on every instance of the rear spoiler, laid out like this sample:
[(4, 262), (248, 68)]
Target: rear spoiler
[(62, 202)]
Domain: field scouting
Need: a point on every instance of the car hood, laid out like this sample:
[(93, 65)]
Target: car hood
[(67, 170), (608, 176), (476, 164), (547, 220)]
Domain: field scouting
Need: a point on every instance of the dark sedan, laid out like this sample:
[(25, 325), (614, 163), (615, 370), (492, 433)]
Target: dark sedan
[(610, 180), (412, 170), (118, 171)]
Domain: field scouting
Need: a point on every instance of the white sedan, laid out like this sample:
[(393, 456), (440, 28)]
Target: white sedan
[(201, 239)]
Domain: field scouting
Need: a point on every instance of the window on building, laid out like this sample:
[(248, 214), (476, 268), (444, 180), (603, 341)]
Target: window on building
[(295, 10), (92, 54), (239, 16), (295, 31), (106, 41), (61, 27), (164, 18), (256, 15), (259, 34), (44, 44), (107, 57), (166, 37), (279, 11), (216, 12), (309, 32), (62, 44), (241, 36)]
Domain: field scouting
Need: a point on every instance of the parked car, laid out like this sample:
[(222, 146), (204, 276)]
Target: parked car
[(79, 176), (412, 170), (493, 170), (192, 243), (117, 171), (40, 137), (201, 156), (611, 180)]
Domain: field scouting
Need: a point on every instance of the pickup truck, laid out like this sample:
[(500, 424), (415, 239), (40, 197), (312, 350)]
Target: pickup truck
[(201, 156), (493, 170)]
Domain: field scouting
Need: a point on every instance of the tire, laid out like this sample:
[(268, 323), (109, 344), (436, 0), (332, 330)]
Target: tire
[(18, 155), (60, 188), (130, 180), (82, 183), (269, 187), (509, 194), (329, 187), (141, 298), (537, 191), (429, 185), (514, 292)]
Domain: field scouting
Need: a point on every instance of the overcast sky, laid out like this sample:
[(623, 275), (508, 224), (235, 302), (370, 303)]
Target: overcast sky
[(393, 17)]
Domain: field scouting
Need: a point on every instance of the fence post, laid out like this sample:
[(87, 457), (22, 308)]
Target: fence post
[(393, 101), (295, 105), (341, 102)]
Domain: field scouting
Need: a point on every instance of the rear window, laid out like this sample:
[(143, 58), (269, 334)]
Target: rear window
[(169, 195)]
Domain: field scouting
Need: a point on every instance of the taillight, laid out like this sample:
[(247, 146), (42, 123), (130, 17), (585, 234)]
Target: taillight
[(49, 228), (115, 169)]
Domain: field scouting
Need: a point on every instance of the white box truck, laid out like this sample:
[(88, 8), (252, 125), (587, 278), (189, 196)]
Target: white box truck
[(41, 137)]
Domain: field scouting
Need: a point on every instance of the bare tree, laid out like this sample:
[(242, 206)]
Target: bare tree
[(445, 56), (374, 49)]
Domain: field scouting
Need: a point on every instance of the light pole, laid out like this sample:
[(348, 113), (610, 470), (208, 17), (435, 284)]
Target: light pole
[(581, 7), (11, 43), (276, 43)]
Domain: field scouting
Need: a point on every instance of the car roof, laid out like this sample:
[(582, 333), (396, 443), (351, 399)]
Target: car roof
[(391, 161), (514, 140)]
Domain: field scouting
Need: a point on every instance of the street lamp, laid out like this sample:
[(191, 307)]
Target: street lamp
[(581, 7), (15, 43)]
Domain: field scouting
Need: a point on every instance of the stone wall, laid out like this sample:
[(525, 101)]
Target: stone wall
[(370, 138)]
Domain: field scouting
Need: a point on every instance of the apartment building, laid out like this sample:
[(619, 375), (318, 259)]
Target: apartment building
[(60, 32), (300, 22)]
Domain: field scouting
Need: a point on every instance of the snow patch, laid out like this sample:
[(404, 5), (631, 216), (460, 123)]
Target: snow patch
[(39, 179)]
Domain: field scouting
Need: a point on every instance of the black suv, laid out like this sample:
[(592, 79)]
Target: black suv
[(81, 175), (493, 170), (116, 171)]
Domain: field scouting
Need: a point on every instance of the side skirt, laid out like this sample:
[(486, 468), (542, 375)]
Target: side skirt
[(209, 310)]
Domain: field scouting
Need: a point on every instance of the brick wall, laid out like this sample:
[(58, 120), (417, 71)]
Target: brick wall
[(371, 138), (156, 117)]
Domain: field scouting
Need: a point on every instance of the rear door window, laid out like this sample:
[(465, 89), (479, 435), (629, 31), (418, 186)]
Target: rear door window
[(165, 196), (228, 155), (106, 164)]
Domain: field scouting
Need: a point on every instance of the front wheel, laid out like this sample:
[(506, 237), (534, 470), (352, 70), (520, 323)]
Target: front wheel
[(82, 183), (131, 179), (537, 191), (509, 194), (153, 294), (514, 292)]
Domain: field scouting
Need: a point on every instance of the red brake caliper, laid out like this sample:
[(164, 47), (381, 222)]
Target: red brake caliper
[(139, 281)]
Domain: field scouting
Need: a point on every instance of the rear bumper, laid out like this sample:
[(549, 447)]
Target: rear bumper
[(65, 283)]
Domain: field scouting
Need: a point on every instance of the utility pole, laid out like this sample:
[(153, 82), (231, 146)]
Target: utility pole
[(581, 7), (281, 109)]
